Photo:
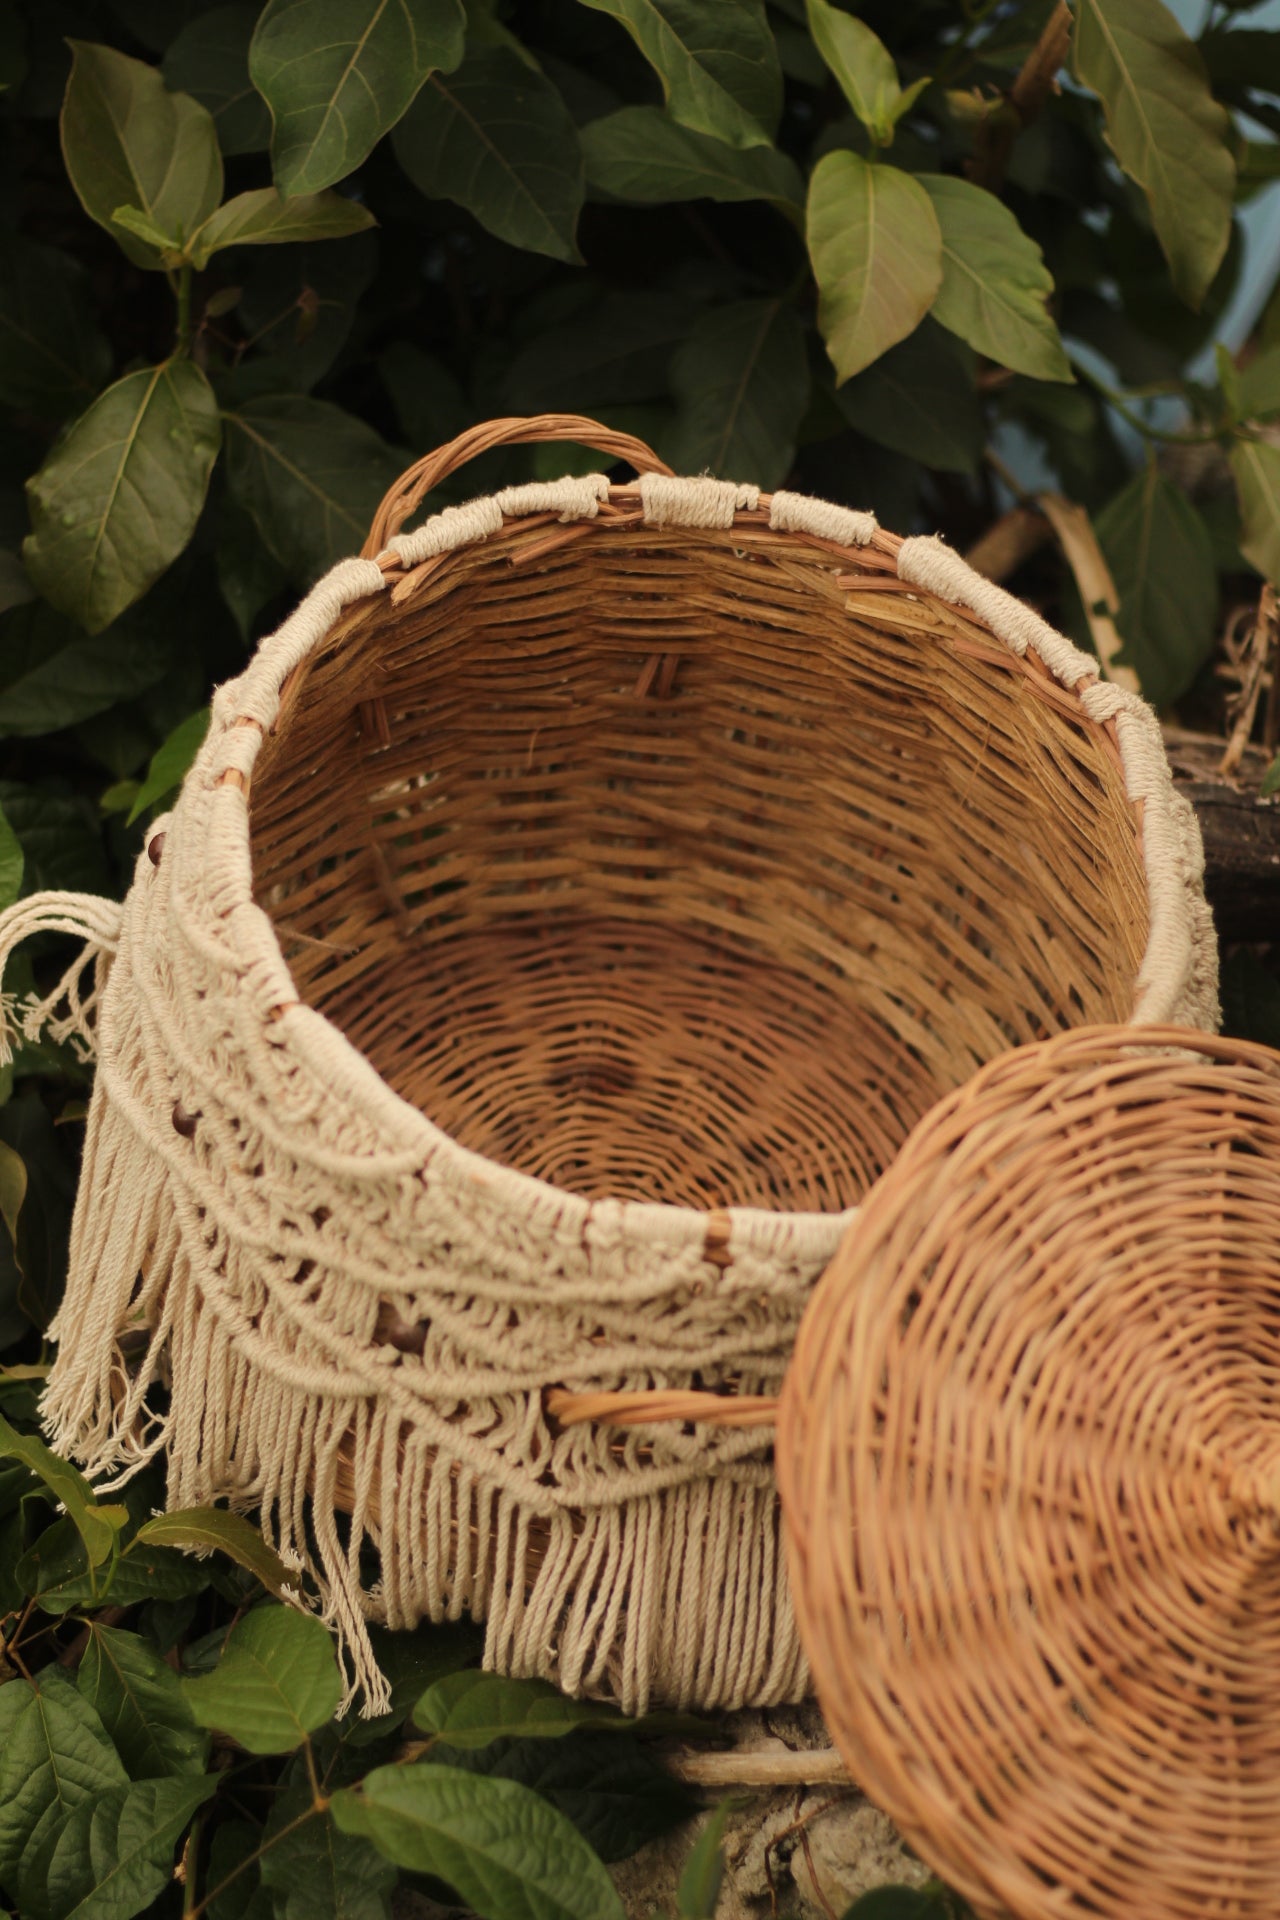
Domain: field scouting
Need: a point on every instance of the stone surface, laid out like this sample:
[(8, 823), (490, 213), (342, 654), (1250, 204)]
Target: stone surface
[(803, 1853)]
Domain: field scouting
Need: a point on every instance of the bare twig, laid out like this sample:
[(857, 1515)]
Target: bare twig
[(1008, 541), (1085, 557), (1254, 660), (1025, 98), (767, 1767)]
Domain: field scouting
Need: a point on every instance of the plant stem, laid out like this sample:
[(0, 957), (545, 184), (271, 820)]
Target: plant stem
[(183, 342), (1135, 420)]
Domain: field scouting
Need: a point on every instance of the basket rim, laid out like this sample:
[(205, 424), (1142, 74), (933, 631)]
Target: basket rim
[(247, 708)]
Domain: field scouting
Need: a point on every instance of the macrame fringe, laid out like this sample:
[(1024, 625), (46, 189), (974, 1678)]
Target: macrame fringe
[(680, 1595), (96, 924)]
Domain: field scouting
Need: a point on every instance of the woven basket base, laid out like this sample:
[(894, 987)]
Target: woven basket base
[(643, 1062)]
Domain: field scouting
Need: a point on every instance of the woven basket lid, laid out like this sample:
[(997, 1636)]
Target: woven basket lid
[(1029, 1453)]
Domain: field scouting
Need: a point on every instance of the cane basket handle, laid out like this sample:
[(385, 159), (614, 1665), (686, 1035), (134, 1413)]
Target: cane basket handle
[(646, 1408), (416, 482)]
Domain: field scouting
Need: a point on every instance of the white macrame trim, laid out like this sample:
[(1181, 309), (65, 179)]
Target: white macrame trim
[(301, 1192)]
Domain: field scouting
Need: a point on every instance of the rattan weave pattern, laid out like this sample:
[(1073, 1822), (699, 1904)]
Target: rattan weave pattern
[(616, 833), (1029, 1455)]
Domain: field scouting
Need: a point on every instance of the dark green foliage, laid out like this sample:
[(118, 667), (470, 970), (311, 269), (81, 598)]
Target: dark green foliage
[(253, 259)]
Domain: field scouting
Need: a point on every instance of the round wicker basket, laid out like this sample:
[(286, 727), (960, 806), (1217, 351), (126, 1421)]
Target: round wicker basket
[(1029, 1456), (572, 910)]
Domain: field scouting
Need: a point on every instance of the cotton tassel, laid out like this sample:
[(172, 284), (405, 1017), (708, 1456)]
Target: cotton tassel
[(88, 918)]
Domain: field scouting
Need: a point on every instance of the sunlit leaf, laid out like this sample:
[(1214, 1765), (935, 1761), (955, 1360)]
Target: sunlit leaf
[(129, 142), (197, 1529), (263, 218), (876, 249), (1256, 467), (1164, 127), (995, 285), (861, 63), (717, 61)]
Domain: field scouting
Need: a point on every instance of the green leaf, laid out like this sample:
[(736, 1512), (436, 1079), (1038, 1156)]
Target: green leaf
[(209, 59), (118, 499), (741, 381), (262, 218), (473, 1709), (1271, 779), (167, 770), (11, 863), (1256, 467), (903, 1903), (151, 1573), (299, 304), (1164, 127), (59, 835), (1250, 998), (412, 1662), (496, 138), (53, 356), (54, 674), (613, 1790), (140, 1702), (13, 1187), (641, 154), (1257, 386), (143, 227), (276, 1682), (920, 399), (338, 74), (699, 1889), (113, 1854), (1161, 559), (507, 1853), (232, 1876), (315, 1871), (97, 1525), (54, 1756), (309, 475), (876, 248), (717, 61), (128, 142), (995, 285), (862, 65), (197, 1529), (618, 350)]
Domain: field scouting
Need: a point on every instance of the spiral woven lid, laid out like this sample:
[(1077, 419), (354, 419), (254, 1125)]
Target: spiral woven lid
[(1029, 1452)]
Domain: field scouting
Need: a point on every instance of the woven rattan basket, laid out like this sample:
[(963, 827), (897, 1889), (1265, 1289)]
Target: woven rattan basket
[(1037, 1565), (571, 911)]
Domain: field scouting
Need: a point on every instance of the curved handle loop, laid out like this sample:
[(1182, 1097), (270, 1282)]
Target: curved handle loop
[(644, 1408), (416, 482)]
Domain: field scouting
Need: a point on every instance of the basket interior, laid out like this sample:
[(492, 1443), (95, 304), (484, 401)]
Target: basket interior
[(663, 867)]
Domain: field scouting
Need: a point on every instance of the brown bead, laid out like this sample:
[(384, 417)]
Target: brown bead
[(184, 1122), (155, 847)]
